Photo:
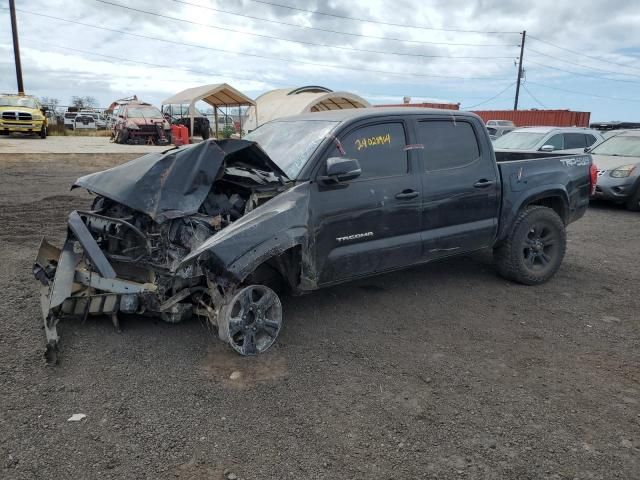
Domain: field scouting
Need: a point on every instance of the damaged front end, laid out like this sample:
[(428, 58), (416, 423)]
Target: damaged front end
[(140, 249)]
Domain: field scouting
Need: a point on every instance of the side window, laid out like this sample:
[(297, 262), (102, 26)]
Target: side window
[(379, 148), (590, 140), (447, 144), (574, 140), (557, 141), (492, 131)]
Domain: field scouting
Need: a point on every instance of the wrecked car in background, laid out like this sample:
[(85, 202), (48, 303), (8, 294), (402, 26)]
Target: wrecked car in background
[(140, 123), (217, 229)]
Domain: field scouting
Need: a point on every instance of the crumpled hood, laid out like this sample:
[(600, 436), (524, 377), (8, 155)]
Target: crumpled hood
[(174, 183)]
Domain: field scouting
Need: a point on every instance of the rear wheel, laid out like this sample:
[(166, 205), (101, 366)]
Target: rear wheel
[(633, 203), (534, 250), (251, 321)]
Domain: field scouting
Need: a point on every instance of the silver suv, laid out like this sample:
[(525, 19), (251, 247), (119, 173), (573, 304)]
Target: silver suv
[(549, 139), (618, 162)]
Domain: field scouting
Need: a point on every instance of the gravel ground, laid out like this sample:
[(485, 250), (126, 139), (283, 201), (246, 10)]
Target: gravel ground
[(442, 371), (20, 145)]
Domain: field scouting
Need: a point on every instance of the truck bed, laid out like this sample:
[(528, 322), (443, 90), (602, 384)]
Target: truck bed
[(525, 174)]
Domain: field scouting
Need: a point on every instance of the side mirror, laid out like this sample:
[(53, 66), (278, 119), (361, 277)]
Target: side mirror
[(44, 109), (547, 148), (340, 169)]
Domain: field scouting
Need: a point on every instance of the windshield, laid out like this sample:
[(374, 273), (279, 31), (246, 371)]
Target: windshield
[(143, 112), (18, 102), (290, 144), (620, 145), (519, 141)]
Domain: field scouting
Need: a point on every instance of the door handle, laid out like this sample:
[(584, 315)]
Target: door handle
[(483, 183), (407, 195)]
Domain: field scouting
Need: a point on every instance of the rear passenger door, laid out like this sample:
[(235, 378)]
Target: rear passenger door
[(461, 189), (372, 223)]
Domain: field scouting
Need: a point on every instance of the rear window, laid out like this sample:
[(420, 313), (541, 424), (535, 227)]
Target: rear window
[(447, 144)]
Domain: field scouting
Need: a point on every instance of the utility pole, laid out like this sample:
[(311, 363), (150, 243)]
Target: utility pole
[(16, 46), (515, 104)]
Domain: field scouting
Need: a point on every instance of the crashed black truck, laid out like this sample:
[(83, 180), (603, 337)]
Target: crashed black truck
[(219, 229)]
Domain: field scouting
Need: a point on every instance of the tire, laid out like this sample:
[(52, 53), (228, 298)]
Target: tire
[(251, 320), (633, 204), (43, 132), (534, 250)]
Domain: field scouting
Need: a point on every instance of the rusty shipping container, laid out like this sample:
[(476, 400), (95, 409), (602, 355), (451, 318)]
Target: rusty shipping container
[(532, 118), (442, 106)]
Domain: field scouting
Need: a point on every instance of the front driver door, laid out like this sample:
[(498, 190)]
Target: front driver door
[(370, 224)]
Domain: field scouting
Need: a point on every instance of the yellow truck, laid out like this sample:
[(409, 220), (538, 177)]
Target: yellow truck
[(23, 114)]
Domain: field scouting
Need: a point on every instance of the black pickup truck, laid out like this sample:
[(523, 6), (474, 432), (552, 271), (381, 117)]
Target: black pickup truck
[(217, 228)]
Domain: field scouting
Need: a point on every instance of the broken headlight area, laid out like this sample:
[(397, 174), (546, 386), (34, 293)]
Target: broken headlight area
[(128, 256)]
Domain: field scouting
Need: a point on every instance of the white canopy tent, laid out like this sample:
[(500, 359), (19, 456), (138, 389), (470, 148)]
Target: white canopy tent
[(217, 95)]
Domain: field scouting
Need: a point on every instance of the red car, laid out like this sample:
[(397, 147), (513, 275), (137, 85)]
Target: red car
[(140, 123)]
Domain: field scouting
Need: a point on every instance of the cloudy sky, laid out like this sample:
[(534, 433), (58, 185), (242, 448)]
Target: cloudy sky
[(578, 57)]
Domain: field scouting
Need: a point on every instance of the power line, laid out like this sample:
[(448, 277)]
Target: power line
[(301, 42), (492, 98), (185, 69), (351, 34), (157, 65), (582, 54), (524, 86), (584, 93), (366, 20), (581, 74), (582, 65), (266, 57)]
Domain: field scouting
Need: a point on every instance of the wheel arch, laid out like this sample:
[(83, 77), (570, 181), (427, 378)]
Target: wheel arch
[(556, 199)]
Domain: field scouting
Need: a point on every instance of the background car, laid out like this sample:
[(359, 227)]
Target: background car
[(179, 115), (139, 122), (618, 161), (500, 123), (84, 122), (497, 132), (101, 122), (22, 114), (549, 139)]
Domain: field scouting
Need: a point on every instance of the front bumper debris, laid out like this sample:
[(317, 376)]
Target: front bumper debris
[(79, 281)]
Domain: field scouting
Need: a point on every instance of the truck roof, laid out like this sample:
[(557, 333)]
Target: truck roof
[(360, 113)]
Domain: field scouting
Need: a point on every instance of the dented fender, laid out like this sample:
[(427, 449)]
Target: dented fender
[(267, 231)]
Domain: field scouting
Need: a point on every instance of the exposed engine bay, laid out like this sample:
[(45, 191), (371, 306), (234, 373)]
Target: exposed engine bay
[(126, 254)]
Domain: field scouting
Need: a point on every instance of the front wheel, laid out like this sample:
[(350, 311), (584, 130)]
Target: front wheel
[(534, 250), (251, 321), (43, 132)]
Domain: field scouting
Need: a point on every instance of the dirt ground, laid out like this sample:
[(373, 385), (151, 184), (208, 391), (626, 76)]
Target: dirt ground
[(442, 371)]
